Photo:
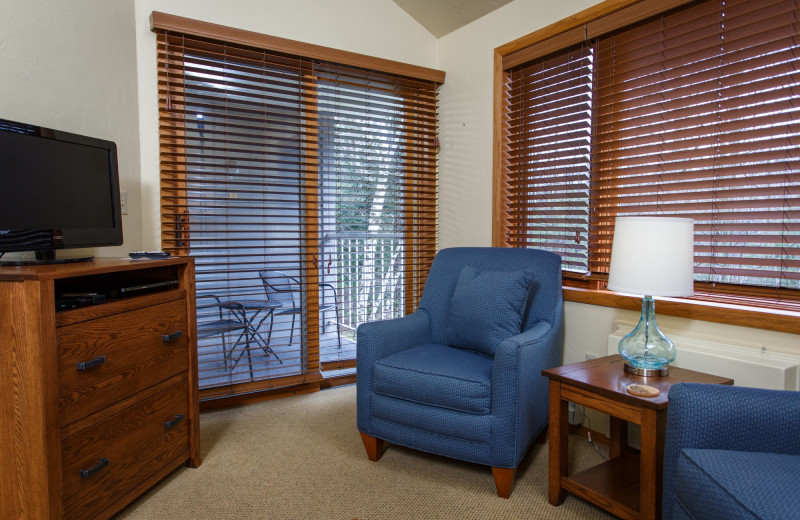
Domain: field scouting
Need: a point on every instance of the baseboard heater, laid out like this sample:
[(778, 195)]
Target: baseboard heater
[(748, 366)]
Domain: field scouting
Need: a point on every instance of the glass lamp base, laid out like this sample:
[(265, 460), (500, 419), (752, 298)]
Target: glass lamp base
[(647, 372), (646, 350)]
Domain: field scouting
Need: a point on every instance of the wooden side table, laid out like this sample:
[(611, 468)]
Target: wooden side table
[(628, 485)]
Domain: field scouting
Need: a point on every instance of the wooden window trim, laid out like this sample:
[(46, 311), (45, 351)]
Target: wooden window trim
[(747, 316), (601, 17), (590, 22), (170, 22)]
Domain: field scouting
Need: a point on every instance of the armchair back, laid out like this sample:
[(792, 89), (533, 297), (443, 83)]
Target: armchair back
[(441, 283)]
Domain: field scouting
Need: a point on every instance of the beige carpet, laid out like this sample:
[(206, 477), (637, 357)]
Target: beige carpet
[(301, 458)]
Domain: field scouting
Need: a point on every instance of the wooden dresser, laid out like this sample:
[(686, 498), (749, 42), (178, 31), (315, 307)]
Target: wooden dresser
[(98, 401)]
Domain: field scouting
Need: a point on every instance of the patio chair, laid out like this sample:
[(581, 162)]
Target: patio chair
[(231, 320), (286, 290)]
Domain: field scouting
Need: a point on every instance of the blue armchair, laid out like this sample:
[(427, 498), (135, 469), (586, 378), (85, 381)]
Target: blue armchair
[(731, 452), (461, 376)]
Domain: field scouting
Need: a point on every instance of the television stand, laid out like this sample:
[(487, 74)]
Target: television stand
[(18, 263), (99, 402), (44, 257)]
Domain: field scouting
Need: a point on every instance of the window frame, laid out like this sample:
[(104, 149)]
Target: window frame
[(730, 304)]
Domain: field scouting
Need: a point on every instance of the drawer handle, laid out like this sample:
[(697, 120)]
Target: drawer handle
[(169, 337), (171, 424), (86, 473), (86, 365)]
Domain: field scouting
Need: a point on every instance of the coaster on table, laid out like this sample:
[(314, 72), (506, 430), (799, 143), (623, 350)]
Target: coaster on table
[(643, 390)]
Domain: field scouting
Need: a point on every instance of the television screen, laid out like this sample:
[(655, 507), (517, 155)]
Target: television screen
[(59, 190)]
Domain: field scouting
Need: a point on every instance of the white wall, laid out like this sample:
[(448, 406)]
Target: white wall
[(374, 27), (70, 66), (465, 164)]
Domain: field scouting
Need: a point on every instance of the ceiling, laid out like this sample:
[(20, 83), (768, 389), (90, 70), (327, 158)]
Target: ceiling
[(440, 17)]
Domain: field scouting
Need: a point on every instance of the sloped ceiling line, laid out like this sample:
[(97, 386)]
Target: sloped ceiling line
[(441, 17)]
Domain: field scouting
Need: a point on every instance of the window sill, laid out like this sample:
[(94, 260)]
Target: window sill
[(747, 316)]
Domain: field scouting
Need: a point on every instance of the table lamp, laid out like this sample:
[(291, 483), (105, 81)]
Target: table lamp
[(651, 256)]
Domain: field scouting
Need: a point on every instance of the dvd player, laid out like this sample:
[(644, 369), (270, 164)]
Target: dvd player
[(146, 287)]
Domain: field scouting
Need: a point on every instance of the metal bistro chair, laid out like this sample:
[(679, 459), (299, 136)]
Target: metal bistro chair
[(286, 289), (230, 321)]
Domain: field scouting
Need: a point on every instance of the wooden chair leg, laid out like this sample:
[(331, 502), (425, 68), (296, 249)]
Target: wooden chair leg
[(504, 481), (373, 446)]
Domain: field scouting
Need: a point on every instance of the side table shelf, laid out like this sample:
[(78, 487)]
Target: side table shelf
[(612, 485), (628, 485)]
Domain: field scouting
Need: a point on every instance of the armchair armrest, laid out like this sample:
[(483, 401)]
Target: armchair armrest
[(733, 418), (531, 336), (518, 385), (727, 418), (378, 339)]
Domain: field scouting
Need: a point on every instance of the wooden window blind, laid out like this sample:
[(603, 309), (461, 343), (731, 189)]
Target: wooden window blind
[(550, 102), (692, 112), (378, 188), (300, 182)]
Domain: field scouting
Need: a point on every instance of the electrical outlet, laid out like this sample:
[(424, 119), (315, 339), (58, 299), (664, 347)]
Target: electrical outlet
[(123, 202), (575, 414)]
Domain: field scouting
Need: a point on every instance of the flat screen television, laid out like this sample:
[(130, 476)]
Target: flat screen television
[(58, 190)]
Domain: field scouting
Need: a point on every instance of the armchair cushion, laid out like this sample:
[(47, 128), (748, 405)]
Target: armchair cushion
[(488, 307), (736, 484), (437, 375)]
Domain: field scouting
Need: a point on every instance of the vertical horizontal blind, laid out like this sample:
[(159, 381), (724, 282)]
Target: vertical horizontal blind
[(549, 133), (694, 113), (377, 154), (303, 183)]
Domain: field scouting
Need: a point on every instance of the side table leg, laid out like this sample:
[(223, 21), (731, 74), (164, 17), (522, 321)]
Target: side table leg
[(558, 453), (618, 437), (652, 457)]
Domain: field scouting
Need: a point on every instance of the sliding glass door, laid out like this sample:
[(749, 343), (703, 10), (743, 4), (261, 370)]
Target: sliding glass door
[(305, 191)]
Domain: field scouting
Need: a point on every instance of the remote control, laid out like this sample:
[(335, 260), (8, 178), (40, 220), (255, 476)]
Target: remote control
[(149, 254)]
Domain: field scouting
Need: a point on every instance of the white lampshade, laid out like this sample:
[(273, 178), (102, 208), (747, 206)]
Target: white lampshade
[(653, 256)]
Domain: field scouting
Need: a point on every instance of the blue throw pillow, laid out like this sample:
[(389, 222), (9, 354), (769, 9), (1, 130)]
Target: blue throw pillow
[(488, 307)]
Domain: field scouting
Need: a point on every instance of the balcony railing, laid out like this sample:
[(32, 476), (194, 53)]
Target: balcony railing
[(369, 276)]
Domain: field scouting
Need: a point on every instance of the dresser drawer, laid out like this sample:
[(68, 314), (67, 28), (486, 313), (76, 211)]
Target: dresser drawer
[(105, 360), (109, 459)]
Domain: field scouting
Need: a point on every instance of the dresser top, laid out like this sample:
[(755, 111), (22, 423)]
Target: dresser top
[(96, 266)]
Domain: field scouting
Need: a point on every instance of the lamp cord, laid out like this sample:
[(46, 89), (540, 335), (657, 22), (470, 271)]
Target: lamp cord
[(589, 433)]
